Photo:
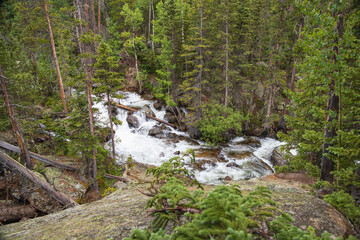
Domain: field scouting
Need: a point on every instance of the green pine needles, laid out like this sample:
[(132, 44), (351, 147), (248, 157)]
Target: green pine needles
[(224, 213)]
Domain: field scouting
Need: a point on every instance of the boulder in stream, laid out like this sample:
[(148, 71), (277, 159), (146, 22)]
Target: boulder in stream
[(157, 106), (278, 157), (133, 121), (194, 132), (146, 109)]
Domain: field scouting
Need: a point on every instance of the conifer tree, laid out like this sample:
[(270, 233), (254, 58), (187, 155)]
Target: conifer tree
[(108, 81)]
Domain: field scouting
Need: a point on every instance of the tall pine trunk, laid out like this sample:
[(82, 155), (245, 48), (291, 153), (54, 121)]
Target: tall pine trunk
[(111, 128), (55, 58), (226, 56), (327, 164)]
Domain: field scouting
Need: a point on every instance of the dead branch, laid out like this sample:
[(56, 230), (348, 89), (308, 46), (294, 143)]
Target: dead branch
[(117, 178), (147, 115), (179, 208), (53, 163), (146, 194)]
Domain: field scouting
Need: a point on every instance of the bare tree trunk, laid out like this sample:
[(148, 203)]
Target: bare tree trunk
[(111, 128), (226, 56), (99, 14), (149, 25), (91, 116), (153, 19), (25, 156), (136, 64), (268, 113), (201, 56), (327, 164), (29, 175), (93, 21), (55, 58)]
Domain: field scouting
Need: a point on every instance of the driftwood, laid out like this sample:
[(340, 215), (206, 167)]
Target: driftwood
[(29, 175), (147, 115), (117, 178), (53, 163), (17, 212)]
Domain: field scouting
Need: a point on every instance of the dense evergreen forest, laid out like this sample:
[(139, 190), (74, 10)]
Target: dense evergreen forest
[(279, 68)]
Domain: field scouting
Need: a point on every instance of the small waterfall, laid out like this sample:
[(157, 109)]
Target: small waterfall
[(237, 160)]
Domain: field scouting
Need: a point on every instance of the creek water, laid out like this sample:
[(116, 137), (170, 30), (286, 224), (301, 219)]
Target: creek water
[(241, 158)]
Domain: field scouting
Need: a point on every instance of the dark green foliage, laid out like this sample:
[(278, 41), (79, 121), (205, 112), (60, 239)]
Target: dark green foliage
[(219, 123), (343, 202)]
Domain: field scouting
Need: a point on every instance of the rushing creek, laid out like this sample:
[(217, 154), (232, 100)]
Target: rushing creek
[(239, 159)]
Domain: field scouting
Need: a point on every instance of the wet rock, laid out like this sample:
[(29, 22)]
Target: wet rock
[(194, 132), (250, 141), (157, 106), (146, 109), (278, 157), (201, 164), (155, 131), (256, 165), (170, 117), (228, 178), (239, 155), (207, 153), (133, 121), (233, 165)]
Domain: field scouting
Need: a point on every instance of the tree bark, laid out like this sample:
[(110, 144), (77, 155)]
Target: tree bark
[(327, 164), (55, 58), (99, 12), (25, 156), (91, 115), (111, 128), (226, 55), (201, 62), (13, 213), (6, 161), (136, 64)]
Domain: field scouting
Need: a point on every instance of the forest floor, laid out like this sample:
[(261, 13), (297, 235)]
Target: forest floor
[(114, 216)]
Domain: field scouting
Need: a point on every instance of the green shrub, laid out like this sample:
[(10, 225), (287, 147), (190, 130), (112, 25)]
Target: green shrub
[(218, 121), (345, 204)]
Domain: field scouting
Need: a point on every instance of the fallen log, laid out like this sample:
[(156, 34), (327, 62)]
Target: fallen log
[(13, 148), (116, 178), (17, 212), (147, 115), (29, 175)]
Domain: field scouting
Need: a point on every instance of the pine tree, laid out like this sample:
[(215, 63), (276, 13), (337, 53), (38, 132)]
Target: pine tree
[(108, 81)]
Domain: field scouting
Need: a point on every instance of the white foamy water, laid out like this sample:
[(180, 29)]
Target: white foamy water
[(136, 142)]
